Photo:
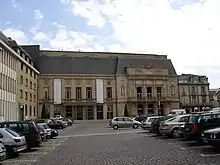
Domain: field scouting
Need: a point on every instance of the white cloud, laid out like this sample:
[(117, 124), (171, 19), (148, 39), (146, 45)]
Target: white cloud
[(189, 36), (72, 40), (16, 5), (38, 15), (40, 36), (16, 35)]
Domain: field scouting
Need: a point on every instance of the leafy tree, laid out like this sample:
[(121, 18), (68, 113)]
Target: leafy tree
[(43, 112)]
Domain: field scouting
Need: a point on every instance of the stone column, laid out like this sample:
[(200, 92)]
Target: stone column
[(105, 109)]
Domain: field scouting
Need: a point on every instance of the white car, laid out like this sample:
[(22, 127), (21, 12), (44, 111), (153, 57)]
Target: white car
[(146, 125)]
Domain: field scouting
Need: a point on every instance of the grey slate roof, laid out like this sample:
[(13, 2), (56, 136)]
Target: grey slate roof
[(77, 65), (138, 62)]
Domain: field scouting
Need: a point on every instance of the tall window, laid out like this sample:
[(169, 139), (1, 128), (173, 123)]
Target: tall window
[(21, 80), (203, 89), (26, 110), (67, 93), (30, 84), (78, 92), (109, 92), (30, 97), (109, 112), (35, 87), (34, 111), (149, 93), (26, 95), (159, 92), (139, 92), (88, 92), (21, 93), (26, 82), (30, 111), (122, 90), (46, 93), (90, 111)]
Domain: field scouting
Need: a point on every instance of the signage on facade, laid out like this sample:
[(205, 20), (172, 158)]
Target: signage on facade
[(99, 91), (57, 91)]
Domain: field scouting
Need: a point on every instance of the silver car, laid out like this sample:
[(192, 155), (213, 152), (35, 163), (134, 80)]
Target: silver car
[(146, 125), (171, 127), (124, 122), (13, 142), (47, 130), (2, 152)]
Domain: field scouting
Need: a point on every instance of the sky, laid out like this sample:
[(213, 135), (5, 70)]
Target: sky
[(188, 31)]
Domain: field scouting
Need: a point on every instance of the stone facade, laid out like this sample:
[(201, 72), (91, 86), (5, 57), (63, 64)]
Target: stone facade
[(194, 92)]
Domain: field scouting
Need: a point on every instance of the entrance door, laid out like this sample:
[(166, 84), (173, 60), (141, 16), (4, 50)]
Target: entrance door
[(69, 112), (90, 111), (99, 111), (79, 113), (140, 109)]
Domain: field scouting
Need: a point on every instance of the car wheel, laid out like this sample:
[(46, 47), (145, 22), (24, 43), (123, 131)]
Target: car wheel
[(175, 133), (135, 126), (115, 127)]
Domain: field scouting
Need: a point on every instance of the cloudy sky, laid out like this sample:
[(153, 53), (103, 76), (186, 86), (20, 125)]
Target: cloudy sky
[(188, 31)]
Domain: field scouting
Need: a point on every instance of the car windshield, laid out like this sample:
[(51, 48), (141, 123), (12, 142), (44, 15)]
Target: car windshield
[(171, 119), (13, 133)]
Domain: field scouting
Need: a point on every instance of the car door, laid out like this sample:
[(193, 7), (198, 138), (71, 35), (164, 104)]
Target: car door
[(128, 122), (183, 120), (121, 122)]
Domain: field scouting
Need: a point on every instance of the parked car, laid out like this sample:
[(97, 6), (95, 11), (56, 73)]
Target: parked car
[(13, 141), (156, 124), (140, 117), (54, 133), (2, 151), (171, 126), (69, 122), (46, 128), (27, 128), (203, 121), (212, 136), (146, 124), (57, 124), (42, 133), (124, 122)]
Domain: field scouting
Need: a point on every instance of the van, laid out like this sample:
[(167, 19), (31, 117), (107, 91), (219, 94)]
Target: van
[(27, 128), (175, 112)]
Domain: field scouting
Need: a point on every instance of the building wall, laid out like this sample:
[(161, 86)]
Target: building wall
[(27, 91), (194, 93), (8, 87)]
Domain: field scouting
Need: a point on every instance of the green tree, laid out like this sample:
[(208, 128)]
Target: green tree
[(43, 112)]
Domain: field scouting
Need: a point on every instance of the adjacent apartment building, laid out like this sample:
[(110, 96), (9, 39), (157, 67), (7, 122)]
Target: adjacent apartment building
[(98, 85), (194, 92), (18, 82)]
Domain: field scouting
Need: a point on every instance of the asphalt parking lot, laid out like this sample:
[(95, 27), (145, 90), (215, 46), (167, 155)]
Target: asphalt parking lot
[(98, 145)]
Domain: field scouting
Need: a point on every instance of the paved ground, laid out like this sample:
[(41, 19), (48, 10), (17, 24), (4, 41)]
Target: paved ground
[(94, 144)]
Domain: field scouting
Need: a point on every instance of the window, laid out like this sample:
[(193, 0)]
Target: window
[(139, 92), (89, 92), (149, 93), (109, 112), (46, 93), (30, 84), (79, 112), (34, 98), (30, 97), (13, 133), (173, 90), (21, 80), (34, 111), (31, 73), (109, 92), (26, 95), (26, 109), (26, 69), (159, 92), (203, 99), (128, 119), (26, 82), (99, 112), (21, 93), (67, 93), (22, 66), (90, 114), (78, 93), (193, 89), (35, 87), (35, 76), (30, 111), (122, 90)]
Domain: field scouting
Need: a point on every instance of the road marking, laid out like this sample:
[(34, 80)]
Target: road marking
[(33, 153), (209, 155), (180, 142), (195, 147), (99, 134), (19, 160)]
